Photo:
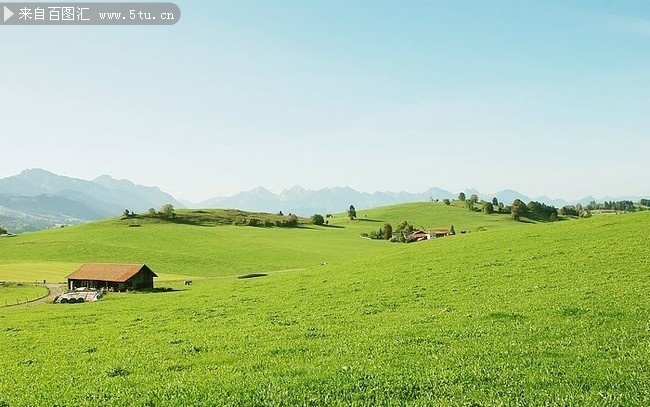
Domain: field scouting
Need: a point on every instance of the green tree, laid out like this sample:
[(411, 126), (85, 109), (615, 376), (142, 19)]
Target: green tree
[(517, 209), (167, 211), (152, 212), (473, 198), (461, 196), (402, 230), (3, 231), (387, 231), (352, 213), (126, 212), (488, 208), (317, 219), (569, 210), (495, 202), (470, 205), (446, 201), (404, 227)]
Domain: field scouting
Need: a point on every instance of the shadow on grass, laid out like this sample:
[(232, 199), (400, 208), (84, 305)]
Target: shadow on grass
[(156, 290), (521, 220), (252, 275)]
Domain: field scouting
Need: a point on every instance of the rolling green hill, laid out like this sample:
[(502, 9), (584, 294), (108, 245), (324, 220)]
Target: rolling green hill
[(205, 242), (520, 314)]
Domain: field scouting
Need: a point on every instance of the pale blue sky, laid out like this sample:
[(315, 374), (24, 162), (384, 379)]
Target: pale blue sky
[(546, 97)]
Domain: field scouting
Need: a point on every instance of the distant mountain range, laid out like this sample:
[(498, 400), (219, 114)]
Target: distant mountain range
[(306, 202), (37, 199)]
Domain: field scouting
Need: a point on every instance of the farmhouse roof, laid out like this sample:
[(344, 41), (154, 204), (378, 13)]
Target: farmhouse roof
[(439, 231), (118, 273)]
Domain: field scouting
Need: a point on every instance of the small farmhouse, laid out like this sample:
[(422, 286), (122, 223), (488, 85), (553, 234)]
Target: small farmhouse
[(112, 277), (420, 235)]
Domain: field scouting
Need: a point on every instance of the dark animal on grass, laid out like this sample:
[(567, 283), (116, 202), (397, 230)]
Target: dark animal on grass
[(188, 282)]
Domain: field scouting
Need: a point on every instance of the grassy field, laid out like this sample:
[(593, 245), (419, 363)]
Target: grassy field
[(520, 314), (201, 249), (11, 294)]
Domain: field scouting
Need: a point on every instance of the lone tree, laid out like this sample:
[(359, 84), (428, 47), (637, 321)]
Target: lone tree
[(518, 208), (495, 201), (317, 219), (167, 211), (352, 213), (446, 201), (152, 212), (3, 231), (461, 196), (474, 198)]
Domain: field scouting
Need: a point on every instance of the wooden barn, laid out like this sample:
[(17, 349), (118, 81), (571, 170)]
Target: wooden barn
[(112, 277)]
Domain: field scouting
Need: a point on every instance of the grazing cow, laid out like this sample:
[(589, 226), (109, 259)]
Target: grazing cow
[(188, 282)]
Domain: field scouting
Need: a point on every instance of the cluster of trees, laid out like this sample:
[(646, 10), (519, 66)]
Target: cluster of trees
[(627, 206), (386, 232), (517, 209), (645, 202), (167, 211), (575, 210), (533, 209), (547, 212), (286, 222)]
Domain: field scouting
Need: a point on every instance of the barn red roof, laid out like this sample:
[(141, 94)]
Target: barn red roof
[(118, 273)]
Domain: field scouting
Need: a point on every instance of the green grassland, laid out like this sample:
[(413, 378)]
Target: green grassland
[(12, 294), (519, 314), (205, 243)]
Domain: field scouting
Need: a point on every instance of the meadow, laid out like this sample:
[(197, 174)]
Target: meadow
[(12, 294), (519, 314), (208, 246)]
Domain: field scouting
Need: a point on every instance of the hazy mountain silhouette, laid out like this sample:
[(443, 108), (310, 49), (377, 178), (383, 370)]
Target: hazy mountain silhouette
[(37, 199)]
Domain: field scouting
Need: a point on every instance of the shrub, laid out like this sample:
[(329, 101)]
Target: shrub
[(253, 222), (317, 219), (291, 221), (488, 208), (387, 231)]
